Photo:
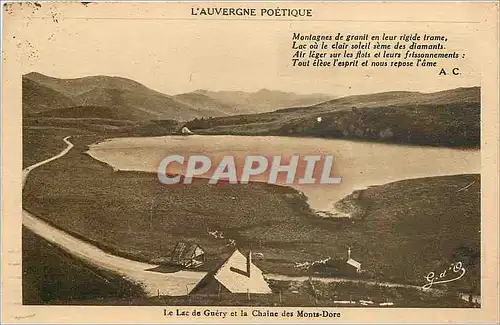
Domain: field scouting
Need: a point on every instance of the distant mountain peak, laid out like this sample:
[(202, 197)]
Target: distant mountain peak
[(112, 97), (146, 103), (34, 74)]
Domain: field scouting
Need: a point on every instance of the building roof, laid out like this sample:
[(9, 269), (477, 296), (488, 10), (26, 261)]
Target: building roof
[(240, 275), (354, 263), (185, 130), (183, 251)]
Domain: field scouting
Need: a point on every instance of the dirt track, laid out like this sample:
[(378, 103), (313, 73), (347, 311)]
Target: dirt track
[(173, 284)]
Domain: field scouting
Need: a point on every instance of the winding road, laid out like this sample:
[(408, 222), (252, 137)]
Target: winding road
[(172, 284)]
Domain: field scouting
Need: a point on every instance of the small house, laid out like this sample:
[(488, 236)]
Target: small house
[(236, 275), (352, 263), (187, 255), (355, 264), (337, 267), (186, 131)]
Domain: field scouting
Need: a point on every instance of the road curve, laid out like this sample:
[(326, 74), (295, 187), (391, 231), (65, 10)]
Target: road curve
[(172, 284)]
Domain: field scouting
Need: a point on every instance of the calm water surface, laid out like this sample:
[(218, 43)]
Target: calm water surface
[(359, 164)]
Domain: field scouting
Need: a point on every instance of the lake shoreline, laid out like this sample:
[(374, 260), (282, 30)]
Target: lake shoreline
[(350, 160)]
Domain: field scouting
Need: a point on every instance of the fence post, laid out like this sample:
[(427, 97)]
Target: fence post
[(281, 300), (313, 290), (248, 294), (158, 290)]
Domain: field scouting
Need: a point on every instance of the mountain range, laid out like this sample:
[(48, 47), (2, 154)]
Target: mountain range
[(121, 98), (264, 100), (102, 103), (445, 118)]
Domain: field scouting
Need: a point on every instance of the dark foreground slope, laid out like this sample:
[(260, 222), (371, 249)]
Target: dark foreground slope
[(447, 118), (50, 276)]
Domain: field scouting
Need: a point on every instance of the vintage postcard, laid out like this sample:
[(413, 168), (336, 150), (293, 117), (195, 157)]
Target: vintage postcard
[(250, 162)]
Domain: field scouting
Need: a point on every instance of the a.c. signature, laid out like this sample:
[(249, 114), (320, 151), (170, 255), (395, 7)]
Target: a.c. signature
[(432, 278)]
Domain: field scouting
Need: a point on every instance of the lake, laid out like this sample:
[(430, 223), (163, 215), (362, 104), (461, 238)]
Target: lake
[(359, 164)]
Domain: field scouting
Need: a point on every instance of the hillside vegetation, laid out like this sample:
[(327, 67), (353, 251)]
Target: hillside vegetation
[(51, 276), (129, 99), (122, 98), (447, 118), (264, 100)]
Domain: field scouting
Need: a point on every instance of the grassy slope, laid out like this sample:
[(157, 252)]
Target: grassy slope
[(301, 294), (133, 100), (42, 135), (50, 276), (201, 101), (38, 98), (101, 112), (409, 227), (241, 102), (40, 144), (418, 220), (323, 294), (448, 118)]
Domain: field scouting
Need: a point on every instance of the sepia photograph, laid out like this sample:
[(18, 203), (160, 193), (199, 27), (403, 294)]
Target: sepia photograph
[(382, 236), (285, 161)]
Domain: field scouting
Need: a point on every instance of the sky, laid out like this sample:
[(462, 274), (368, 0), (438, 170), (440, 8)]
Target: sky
[(172, 53)]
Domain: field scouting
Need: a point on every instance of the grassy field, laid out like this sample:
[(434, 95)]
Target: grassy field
[(42, 143), (42, 136), (319, 294), (50, 275), (303, 294), (407, 229)]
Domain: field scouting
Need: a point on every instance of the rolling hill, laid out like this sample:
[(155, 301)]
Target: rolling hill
[(131, 99), (445, 118), (102, 112), (38, 98), (399, 98), (202, 101), (264, 100), (137, 102)]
